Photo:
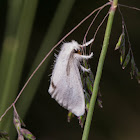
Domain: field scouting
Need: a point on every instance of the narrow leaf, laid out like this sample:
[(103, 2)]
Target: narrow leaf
[(122, 51), (87, 106), (82, 120), (120, 41), (133, 65), (127, 59), (70, 116), (89, 85), (87, 99), (121, 59)]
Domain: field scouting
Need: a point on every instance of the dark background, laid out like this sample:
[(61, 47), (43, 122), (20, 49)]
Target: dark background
[(120, 117)]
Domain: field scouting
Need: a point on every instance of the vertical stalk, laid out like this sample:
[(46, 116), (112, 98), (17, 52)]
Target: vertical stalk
[(99, 69)]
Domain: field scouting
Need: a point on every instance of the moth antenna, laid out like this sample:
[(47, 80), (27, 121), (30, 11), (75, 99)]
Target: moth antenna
[(87, 43)]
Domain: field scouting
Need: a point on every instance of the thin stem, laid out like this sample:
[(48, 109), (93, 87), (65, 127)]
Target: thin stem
[(98, 29), (84, 40), (99, 70), (134, 8)]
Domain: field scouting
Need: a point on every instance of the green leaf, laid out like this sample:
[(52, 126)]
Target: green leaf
[(121, 45), (70, 116), (87, 99), (121, 59), (127, 59), (122, 51), (87, 106), (120, 41), (82, 120), (89, 85), (89, 82)]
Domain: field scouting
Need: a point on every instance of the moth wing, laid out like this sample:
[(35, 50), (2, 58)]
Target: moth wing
[(77, 102), (69, 92), (59, 77)]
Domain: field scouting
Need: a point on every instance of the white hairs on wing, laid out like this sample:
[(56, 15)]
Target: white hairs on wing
[(66, 86)]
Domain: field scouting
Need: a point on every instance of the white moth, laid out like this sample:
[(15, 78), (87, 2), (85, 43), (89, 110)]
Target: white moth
[(66, 86)]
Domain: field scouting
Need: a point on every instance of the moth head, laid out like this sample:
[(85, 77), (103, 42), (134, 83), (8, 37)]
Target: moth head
[(78, 48), (70, 47), (74, 47), (79, 51)]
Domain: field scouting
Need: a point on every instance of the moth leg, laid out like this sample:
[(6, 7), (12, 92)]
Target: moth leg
[(80, 57), (84, 69)]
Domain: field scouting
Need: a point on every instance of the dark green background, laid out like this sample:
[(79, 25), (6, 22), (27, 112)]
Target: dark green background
[(120, 117)]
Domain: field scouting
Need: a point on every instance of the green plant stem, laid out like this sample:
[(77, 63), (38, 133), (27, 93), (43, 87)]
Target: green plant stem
[(99, 70)]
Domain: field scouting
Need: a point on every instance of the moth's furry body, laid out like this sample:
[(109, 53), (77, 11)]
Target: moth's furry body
[(66, 86)]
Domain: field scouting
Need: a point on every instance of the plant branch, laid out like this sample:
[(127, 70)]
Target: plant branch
[(99, 70)]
